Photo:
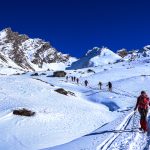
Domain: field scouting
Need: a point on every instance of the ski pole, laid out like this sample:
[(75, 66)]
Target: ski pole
[(133, 125), (133, 122)]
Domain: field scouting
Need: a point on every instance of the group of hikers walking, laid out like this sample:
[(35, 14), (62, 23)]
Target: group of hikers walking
[(75, 79), (109, 86)]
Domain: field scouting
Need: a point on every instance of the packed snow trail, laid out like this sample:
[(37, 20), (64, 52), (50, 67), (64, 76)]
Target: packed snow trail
[(108, 142), (97, 90), (133, 140)]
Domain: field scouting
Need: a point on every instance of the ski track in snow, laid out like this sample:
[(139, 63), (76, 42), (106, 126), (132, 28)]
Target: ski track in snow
[(129, 137), (106, 144)]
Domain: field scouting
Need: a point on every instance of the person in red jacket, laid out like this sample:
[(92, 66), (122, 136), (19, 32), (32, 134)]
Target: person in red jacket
[(142, 105)]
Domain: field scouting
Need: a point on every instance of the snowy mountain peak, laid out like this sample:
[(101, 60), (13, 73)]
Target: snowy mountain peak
[(96, 57), (29, 54), (99, 51), (105, 51)]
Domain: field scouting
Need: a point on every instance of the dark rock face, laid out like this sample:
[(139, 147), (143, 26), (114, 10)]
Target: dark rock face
[(90, 71), (64, 92), (25, 51), (61, 91), (23, 112), (14, 37), (35, 74), (122, 53), (59, 74)]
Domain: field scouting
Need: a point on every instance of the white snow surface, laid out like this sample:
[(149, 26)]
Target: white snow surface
[(55, 117), (93, 119)]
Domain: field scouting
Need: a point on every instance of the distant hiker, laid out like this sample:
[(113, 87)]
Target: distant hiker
[(67, 78), (142, 104), (74, 79), (100, 85), (77, 80), (109, 86), (86, 82)]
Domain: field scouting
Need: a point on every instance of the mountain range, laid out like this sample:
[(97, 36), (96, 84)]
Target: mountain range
[(20, 51)]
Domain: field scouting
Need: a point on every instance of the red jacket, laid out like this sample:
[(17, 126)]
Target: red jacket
[(142, 102)]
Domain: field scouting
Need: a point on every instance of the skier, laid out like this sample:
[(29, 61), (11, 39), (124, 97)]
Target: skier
[(109, 86), (100, 85), (67, 78), (142, 105), (86, 82), (72, 79), (77, 80)]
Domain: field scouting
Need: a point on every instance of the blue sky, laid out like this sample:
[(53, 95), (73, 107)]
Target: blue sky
[(74, 26)]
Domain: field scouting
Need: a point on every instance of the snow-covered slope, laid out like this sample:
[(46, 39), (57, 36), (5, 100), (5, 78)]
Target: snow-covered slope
[(96, 57), (128, 79), (57, 120), (61, 119)]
